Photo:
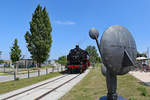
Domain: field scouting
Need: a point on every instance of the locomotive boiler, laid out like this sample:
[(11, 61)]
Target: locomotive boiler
[(77, 60)]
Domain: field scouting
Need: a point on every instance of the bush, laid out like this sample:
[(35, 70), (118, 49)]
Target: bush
[(142, 90), (17, 79)]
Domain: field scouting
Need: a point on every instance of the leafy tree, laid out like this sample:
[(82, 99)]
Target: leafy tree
[(93, 55), (1, 61), (141, 54), (39, 38), (62, 60), (0, 53), (15, 53)]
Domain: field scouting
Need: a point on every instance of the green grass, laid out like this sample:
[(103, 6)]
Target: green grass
[(142, 90), (5, 74), (132, 98), (13, 85), (93, 86)]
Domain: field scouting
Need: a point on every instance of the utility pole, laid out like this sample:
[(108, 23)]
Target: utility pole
[(148, 52), (148, 56)]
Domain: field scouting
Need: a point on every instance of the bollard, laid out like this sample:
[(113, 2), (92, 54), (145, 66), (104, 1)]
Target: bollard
[(38, 72), (53, 69), (14, 75), (61, 69), (46, 71), (28, 73), (4, 68)]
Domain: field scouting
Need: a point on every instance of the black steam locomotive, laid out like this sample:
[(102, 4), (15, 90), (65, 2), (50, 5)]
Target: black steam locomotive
[(77, 60)]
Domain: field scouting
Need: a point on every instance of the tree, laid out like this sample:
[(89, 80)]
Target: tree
[(93, 55), (0, 53), (39, 38), (62, 60), (1, 61), (15, 53), (141, 54)]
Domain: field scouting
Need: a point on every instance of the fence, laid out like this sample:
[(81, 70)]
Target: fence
[(35, 72)]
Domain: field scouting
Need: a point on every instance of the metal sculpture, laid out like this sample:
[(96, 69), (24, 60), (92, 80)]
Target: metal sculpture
[(118, 51)]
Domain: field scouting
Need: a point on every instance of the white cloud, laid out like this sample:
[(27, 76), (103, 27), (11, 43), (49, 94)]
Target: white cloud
[(65, 22)]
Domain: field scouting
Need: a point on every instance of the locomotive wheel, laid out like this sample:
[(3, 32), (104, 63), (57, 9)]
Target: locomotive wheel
[(72, 71), (78, 70), (69, 71)]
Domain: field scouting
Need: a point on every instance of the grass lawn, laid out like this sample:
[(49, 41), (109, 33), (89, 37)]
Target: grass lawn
[(93, 86), (13, 85)]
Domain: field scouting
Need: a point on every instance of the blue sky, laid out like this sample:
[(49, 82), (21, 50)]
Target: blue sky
[(71, 21)]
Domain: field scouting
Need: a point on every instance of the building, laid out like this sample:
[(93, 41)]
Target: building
[(25, 63)]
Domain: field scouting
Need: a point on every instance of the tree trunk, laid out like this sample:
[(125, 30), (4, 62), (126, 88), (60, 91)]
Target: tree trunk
[(16, 68), (39, 64)]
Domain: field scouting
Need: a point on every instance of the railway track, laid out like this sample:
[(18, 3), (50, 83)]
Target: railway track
[(40, 97), (26, 92), (9, 97)]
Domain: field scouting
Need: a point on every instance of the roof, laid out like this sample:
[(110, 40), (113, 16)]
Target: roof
[(141, 58)]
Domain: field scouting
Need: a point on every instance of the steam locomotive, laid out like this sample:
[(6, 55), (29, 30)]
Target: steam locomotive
[(77, 60)]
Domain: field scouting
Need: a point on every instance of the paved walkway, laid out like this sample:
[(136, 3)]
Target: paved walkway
[(143, 76)]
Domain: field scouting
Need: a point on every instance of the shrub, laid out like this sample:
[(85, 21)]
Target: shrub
[(17, 78), (142, 90)]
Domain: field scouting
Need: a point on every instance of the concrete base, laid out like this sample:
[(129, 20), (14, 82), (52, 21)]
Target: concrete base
[(105, 98)]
